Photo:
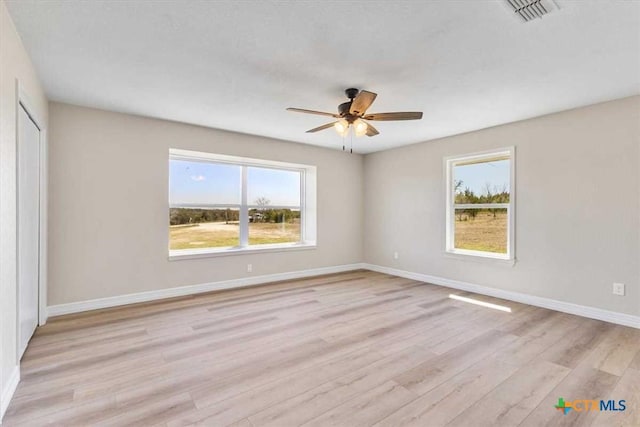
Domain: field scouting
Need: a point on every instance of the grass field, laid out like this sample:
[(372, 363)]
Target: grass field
[(221, 234), (482, 233)]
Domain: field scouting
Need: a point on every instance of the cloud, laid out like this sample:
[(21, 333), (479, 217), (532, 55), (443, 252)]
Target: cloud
[(198, 178)]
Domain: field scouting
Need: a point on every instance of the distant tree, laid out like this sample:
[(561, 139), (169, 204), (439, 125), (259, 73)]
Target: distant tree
[(490, 194), (262, 203), (489, 197), (179, 216)]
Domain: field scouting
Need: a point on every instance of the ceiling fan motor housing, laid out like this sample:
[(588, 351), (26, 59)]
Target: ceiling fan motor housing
[(351, 92), (343, 109)]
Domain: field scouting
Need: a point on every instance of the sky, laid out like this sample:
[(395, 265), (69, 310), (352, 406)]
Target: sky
[(215, 183), (476, 176)]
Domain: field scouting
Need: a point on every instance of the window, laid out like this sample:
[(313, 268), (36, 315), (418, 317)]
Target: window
[(480, 204), (223, 204)]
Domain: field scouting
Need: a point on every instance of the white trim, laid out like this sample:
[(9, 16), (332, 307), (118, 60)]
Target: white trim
[(481, 257), (44, 233), (202, 156), (231, 206), (551, 304), (243, 216), (481, 206), (180, 254), (302, 208), (450, 206), (23, 101), (23, 98), (95, 304), (566, 307), (307, 201), (481, 156), (9, 390)]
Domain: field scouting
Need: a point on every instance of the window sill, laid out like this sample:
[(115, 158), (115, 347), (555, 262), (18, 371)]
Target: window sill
[(479, 257), (182, 254)]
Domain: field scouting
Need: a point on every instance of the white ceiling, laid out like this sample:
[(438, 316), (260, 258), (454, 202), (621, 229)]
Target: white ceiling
[(237, 65)]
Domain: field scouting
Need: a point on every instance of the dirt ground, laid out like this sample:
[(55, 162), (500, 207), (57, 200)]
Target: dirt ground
[(482, 233), (221, 234)]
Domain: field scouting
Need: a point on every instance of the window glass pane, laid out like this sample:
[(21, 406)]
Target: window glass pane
[(273, 187), (203, 228), (486, 182), (481, 230), (269, 226), (202, 183)]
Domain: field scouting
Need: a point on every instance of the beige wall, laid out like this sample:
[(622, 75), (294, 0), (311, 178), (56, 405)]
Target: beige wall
[(577, 206), (577, 212), (14, 64), (108, 213)]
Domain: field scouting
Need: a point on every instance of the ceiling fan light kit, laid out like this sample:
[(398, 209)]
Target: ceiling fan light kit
[(352, 115), (360, 127), (341, 126)]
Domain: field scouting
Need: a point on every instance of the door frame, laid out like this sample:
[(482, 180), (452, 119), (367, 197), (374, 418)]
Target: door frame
[(23, 101)]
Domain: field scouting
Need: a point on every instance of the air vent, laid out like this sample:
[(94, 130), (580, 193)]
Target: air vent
[(529, 9)]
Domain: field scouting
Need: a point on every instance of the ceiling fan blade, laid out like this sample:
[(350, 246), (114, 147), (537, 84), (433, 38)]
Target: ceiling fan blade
[(323, 127), (362, 102), (319, 113), (405, 115), (371, 131)]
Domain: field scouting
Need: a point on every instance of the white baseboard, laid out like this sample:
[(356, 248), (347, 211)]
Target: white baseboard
[(95, 304), (8, 391), (566, 307)]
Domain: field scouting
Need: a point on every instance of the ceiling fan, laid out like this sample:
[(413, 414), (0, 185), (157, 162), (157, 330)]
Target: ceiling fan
[(353, 114)]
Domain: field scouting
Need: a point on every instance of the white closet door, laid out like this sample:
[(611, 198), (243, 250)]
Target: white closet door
[(28, 226)]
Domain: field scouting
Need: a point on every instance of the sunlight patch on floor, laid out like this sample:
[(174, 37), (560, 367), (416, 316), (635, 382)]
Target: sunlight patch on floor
[(481, 303)]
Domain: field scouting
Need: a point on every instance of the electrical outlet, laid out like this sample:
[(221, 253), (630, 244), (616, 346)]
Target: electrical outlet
[(249, 268), (395, 255), (618, 289)]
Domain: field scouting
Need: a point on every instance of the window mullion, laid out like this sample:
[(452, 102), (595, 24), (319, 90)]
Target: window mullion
[(244, 211), (486, 248), (302, 209), (451, 210), (481, 205)]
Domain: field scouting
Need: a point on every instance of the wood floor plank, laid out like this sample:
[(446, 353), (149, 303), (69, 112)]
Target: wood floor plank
[(64, 415), (366, 408), (242, 405), (242, 423), (577, 344), (635, 363), (628, 389), (540, 338), (512, 401), (616, 351), (355, 348), (583, 382), (148, 413), (306, 406), (443, 403), (432, 373)]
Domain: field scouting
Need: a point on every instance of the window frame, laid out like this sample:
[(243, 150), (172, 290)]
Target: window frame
[(307, 205), (451, 206)]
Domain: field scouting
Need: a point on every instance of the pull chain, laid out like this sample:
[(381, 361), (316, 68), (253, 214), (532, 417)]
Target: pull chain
[(352, 131)]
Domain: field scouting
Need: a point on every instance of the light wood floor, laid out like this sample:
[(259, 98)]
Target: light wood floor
[(351, 349)]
